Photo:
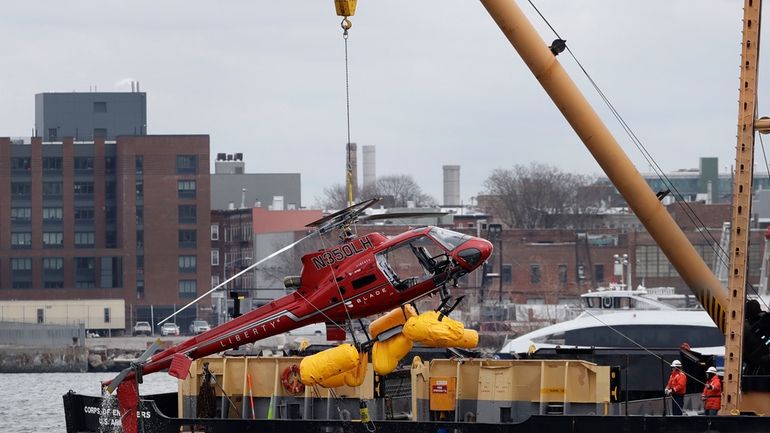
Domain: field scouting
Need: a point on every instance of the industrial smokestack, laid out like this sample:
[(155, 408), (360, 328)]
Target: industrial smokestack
[(370, 169), (243, 198), (451, 185)]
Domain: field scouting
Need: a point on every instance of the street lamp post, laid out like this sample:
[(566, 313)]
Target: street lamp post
[(622, 269), (224, 305)]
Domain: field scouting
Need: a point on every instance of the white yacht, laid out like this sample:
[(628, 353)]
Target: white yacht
[(616, 317)]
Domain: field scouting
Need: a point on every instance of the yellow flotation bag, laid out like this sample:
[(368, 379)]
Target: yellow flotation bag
[(391, 319), (322, 366), (386, 354), (353, 377), (428, 330)]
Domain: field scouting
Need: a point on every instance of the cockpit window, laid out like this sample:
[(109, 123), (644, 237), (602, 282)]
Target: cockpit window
[(447, 238), (412, 262)]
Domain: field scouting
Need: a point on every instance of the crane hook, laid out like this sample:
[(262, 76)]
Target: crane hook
[(346, 25)]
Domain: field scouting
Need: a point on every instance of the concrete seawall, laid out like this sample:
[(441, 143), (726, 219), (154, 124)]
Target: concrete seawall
[(43, 359)]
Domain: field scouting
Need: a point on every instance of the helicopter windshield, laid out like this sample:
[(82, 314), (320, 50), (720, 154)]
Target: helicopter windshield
[(447, 238), (411, 262)]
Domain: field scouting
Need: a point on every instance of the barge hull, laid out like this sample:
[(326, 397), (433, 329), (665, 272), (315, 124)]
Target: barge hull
[(89, 414)]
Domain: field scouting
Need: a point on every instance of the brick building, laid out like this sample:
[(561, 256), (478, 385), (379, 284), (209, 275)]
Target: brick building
[(103, 219)]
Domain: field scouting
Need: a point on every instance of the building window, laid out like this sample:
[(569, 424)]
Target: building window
[(110, 164), (599, 273), (140, 215), (507, 274), (21, 273), (139, 164), (563, 274), (186, 164), (187, 264), (140, 239), (107, 315), (84, 215), (52, 134), (40, 315), (53, 272), (52, 189), (534, 274), (187, 214), (84, 163), (214, 281), (186, 188), (100, 132), (51, 214), (53, 263), (110, 214), (111, 273), (85, 276), (214, 257), (21, 240), (100, 107), (140, 261), (52, 163), (187, 239), (84, 239), (651, 262), (21, 214), (53, 239), (215, 232), (84, 188), (188, 288), (139, 289), (139, 185), (111, 239), (109, 190), (21, 165), (21, 189)]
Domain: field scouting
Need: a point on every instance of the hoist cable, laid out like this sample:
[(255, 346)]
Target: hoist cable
[(346, 25)]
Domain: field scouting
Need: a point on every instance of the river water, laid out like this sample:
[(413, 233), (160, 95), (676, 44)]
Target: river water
[(32, 403)]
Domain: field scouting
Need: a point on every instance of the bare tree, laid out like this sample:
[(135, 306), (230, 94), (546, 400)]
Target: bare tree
[(334, 197), (536, 196), (402, 188)]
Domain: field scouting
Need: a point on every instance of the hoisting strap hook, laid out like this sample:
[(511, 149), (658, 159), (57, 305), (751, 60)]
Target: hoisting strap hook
[(346, 25)]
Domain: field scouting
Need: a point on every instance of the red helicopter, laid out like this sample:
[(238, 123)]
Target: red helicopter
[(354, 279)]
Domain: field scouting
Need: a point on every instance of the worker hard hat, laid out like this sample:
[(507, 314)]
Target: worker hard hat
[(676, 364), (712, 370)]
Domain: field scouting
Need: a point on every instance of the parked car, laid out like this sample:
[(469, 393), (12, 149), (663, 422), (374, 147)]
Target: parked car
[(199, 326), (169, 329), (142, 328), (317, 329)]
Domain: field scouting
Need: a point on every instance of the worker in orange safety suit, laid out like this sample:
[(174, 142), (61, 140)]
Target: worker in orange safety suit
[(677, 384), (712, 392)]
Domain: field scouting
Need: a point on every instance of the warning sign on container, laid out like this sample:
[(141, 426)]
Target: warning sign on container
[(440, 387)]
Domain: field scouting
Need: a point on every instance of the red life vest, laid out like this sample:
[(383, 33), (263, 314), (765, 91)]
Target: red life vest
[(677, 382), (712, 398)]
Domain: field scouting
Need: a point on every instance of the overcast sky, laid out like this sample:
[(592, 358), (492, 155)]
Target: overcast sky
[(433, 82)]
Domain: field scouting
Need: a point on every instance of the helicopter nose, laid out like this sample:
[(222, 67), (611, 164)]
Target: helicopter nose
[(474, 253)]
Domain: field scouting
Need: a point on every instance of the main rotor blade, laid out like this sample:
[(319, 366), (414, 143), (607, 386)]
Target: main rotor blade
[(142, 358), (397, 215), (252, 266), (330, 222), (149, 352)]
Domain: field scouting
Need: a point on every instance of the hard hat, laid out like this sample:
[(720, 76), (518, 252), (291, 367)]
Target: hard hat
[(676, 363), (712, 370)]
